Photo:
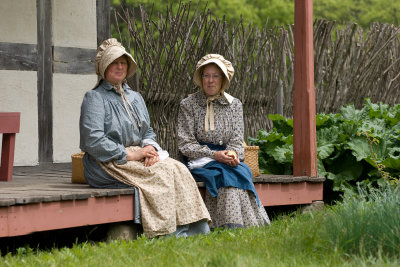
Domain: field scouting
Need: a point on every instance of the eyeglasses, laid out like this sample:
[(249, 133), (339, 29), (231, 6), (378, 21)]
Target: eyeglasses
[(208, 76)]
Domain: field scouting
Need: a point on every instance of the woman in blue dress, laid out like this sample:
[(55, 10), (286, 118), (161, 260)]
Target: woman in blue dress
[(121, 151)]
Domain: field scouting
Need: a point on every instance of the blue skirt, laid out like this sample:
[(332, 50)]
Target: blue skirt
[(216, 175)]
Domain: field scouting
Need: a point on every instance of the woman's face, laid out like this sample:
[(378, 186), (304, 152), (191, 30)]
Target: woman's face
[(212, 79), (117, 70)]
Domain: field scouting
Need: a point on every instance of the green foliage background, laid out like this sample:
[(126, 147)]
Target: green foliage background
[(345, 155), (281, 12)]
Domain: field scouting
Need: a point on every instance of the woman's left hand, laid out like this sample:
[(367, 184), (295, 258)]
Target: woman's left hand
[(151, 156), (234, 162), (148, 161)]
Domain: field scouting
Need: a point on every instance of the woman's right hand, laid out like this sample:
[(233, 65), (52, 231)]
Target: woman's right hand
[(222, 157)]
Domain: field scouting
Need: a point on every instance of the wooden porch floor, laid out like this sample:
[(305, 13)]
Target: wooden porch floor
[(43, 198)]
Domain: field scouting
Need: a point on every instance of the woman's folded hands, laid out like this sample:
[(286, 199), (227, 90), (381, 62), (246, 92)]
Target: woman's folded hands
[(228, 157), (147, 154)]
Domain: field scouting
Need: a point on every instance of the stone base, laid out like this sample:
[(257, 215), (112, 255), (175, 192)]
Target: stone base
[(316, 205), (123, 231)]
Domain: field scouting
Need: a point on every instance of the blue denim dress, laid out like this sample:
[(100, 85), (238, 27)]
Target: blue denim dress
[(105, 131)]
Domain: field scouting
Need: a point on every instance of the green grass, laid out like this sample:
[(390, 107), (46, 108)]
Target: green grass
[(361, 231), (366, 223)]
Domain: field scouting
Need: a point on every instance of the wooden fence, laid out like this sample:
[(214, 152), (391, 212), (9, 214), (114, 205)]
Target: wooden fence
[(350, 64)]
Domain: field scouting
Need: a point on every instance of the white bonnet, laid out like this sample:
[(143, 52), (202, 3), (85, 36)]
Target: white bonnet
[(225, 66), (109, 51)]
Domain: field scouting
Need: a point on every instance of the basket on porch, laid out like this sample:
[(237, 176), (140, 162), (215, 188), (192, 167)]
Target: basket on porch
[(77, 168), (251, 159)]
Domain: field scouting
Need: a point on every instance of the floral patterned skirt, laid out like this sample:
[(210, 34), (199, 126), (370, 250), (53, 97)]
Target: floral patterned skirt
[(168, 194), (234, 207)]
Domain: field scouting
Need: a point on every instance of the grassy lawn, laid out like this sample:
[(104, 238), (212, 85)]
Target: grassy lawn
[(361, 231)]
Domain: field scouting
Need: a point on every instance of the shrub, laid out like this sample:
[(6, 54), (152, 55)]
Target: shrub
[(353, 146)]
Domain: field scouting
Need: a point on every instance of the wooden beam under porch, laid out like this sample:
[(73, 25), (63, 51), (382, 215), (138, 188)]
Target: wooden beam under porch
[(42, 199)]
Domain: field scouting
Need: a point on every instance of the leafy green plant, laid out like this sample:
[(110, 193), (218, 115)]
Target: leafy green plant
[(380, 167), (345, 156)]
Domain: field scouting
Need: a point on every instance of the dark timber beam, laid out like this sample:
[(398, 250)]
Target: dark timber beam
[(45, 80), (18, 56), (103, 20), (73, 60), (304, 131)]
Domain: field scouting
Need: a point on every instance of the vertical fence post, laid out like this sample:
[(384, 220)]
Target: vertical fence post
[(279, 100), (304, 131)]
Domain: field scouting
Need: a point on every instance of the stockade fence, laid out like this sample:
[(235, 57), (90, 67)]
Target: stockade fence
[(350, 64)]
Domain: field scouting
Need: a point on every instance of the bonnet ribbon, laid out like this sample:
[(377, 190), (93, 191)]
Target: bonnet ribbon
[(119, 89), (209, 119)]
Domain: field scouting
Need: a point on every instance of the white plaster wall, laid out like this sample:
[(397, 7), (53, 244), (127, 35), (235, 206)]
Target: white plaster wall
[(20, 95), (74, 23), (18, 21), (68, 92)]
